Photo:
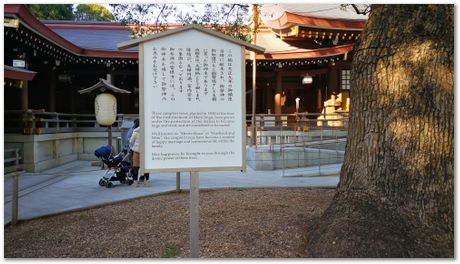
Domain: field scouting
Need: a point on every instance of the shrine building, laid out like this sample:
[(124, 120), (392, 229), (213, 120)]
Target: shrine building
[(308, 52)]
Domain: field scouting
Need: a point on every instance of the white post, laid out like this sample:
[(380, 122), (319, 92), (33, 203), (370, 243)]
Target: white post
[(194, 215)]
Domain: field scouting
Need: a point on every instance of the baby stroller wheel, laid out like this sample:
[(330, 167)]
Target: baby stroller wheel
[(109, 185), (130, 182), (101, 182)]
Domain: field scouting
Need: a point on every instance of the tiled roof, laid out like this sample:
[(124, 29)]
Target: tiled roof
[(27, 19), (272, 43), (98, 40), (106, 36), (91, 35)]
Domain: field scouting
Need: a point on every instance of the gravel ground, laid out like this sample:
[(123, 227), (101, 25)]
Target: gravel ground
[(237, 223)]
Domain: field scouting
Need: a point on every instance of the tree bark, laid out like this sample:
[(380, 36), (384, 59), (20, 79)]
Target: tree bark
[(395, 195)]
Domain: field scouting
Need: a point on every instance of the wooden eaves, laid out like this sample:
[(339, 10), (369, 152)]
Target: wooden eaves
[(18, 74), (102, 86)]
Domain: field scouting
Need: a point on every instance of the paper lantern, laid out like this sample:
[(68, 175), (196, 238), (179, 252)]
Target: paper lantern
[(307, 79), (105, 107)]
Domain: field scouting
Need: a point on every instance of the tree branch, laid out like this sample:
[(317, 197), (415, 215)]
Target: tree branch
[(360, 12), (229, 11), (159, 14)]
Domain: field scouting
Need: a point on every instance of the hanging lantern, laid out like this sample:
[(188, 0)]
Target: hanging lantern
[(307, 79), (105, 104), (105, 107)]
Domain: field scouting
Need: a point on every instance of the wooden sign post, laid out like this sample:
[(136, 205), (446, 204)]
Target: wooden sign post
[(194, 214), (192, 106)]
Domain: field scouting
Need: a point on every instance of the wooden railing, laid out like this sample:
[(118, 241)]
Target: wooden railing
[(11, 160), (297, 128), (296, 120), (41, 122)]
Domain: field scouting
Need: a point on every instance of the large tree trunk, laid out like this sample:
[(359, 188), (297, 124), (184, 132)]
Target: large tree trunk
[(395, 196)]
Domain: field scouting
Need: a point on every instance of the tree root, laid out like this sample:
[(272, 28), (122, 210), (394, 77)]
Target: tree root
[(361, 227)]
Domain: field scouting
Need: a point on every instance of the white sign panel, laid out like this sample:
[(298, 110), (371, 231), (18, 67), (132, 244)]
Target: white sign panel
[(192, 103), (19, 63)]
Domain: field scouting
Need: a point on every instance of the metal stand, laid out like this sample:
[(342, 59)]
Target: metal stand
[(194, 215), (109, 132)]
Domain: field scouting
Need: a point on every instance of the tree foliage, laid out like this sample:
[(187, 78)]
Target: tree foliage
[(51, 11), (230, 19), (92, 12), (83, 12)]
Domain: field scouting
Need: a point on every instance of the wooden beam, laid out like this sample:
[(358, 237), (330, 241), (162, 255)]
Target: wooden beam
[(270, 75)]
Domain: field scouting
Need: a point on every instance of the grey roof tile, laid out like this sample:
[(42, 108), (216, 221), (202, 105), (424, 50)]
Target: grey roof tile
[(95, 39)]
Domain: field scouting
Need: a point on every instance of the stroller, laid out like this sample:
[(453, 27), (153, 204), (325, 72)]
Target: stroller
[(118, 167)]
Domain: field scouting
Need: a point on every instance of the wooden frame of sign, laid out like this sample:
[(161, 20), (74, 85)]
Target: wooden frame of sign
[(212, 127), (164, 156)]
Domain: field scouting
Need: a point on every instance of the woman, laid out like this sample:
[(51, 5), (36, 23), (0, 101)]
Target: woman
[(134, 141)]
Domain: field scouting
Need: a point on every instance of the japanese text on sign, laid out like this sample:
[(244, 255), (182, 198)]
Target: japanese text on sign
[(168, 64)]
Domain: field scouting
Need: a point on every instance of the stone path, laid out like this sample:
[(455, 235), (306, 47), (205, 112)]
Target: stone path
[(74, 186)]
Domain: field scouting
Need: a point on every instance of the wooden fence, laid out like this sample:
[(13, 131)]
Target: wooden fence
[(41, 122)]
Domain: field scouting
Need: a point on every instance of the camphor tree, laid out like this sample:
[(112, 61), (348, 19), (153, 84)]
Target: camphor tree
[(395, 195), (52, 11), (82, 12), (92, 12)]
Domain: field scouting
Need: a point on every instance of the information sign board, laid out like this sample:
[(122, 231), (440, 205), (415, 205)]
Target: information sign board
[(193, 97)]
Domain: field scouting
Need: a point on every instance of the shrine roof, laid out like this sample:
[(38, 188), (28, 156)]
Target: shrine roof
[(91, 35), (18, 74), (327, 16), (32, 23), (99, 39)]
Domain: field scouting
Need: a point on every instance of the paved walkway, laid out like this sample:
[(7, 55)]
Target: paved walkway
[(75, 186)]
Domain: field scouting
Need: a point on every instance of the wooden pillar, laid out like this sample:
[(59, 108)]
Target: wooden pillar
[(73, 98), (278, 92), (255, 19), (52, 92), (268, 95), (125, 107), (333, 78), (110, 78), (25, 96), (194, 215)]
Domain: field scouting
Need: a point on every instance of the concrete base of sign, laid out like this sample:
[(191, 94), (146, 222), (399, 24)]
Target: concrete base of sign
[(269, 158)]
